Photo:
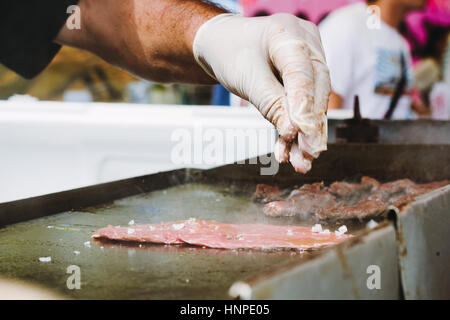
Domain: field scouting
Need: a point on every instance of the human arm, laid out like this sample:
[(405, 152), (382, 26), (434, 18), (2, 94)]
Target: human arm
[(335, 101), (276, 63), (149, 38)]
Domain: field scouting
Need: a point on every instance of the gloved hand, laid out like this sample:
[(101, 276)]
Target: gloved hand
[(277, 63)]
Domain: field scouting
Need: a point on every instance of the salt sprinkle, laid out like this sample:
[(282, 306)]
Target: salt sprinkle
[(76, 252), (130, 231), (45, 259), (371, 224), (289, 232), (87, 244), (178, 226), (326, 231), (317, 228), (152, 228), (131, 223), (341, 231), (240, 290)]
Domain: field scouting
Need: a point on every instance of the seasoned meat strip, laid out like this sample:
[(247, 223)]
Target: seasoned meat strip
[(303, 202), (343, 200), (280, 209), (351, 193), (363, 209), (265, 193)]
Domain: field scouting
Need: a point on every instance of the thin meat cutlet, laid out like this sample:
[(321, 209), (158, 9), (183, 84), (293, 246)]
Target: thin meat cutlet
[(218, 235)]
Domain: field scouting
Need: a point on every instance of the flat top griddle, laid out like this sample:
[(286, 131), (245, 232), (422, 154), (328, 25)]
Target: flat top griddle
[(125, 271), (112, 270)]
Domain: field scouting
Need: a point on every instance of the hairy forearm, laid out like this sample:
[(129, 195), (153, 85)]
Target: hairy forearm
[(334, 101), (149, 38)]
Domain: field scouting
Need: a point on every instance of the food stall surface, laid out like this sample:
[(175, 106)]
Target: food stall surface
[(131, 271), (60, 226)]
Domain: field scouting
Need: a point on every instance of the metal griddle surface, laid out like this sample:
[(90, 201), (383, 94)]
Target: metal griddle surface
[(129, 271), (119, 271)]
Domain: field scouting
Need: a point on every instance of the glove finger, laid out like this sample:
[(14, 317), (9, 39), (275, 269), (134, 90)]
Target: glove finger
[(278, 115), (313, 140), (300, 161), (290, 57), (281, 150), (322, 87), (272, 103)]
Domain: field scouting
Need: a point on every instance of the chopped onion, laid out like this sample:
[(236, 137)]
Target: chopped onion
[(45, 259)]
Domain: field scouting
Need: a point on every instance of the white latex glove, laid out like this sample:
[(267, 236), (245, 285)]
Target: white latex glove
[(277, 63)]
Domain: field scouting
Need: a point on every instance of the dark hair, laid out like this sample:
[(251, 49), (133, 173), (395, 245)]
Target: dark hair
[(302, 15), (436, 39), (261, 13)]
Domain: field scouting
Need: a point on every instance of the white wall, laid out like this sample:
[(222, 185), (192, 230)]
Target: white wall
[(51, 146)]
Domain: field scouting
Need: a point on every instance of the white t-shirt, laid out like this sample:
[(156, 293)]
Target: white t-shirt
[(446, 63), (364, 60)]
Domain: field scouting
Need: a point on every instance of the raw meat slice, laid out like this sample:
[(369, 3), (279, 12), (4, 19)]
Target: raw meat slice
[(224, 236), (140, 233)]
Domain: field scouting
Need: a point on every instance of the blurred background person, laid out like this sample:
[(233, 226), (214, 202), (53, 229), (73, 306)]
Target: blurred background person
[(446, 62), (364, 51), (429, 71)]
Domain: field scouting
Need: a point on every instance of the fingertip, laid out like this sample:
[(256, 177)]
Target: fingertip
[(304, 167), (297, 159), (289, 134), (281, 151), (309, 145), (285, 128)]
